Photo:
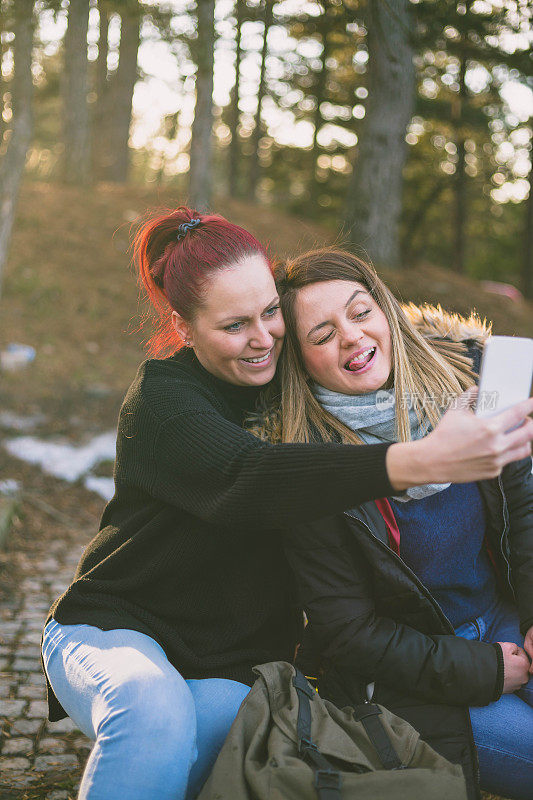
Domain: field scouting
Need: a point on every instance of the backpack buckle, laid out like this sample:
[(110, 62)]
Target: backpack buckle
[(327, 779), (306, 744)]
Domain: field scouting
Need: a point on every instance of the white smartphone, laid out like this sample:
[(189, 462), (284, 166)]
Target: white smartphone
[(505, 375)]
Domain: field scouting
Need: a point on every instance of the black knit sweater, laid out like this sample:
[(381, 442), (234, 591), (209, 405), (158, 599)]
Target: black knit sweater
[(188, 550)]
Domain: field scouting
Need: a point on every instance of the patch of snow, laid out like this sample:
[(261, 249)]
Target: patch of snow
[(8, 419), (105, 487), (16, 356), (66, 461), (10, 487)]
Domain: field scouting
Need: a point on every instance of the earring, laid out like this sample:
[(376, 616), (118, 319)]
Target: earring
[(188, 342)]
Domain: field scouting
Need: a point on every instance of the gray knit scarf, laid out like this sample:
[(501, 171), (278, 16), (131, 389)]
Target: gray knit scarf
[(372, 416)]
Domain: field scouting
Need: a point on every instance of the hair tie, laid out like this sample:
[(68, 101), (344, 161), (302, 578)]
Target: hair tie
[(187, 226)]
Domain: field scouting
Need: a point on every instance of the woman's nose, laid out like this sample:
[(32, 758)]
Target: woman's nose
[(261, 337), (350, 334)]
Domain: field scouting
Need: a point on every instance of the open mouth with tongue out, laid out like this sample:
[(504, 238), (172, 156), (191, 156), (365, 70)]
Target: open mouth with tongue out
[(363, 359)]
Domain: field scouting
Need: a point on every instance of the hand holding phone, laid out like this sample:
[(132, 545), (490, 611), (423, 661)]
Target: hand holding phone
[(505, 375)]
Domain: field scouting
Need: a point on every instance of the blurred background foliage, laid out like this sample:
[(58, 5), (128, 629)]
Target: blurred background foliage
[(291, 105)]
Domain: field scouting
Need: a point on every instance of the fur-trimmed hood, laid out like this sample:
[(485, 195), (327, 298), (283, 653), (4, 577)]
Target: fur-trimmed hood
[(435, 323)]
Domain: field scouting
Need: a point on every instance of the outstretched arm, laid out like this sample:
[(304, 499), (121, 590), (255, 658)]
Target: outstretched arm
[(200, 461), (463, 447)]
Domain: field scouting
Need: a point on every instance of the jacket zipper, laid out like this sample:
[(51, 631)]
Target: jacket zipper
[(416, 580), (418, 583), (505, 515)]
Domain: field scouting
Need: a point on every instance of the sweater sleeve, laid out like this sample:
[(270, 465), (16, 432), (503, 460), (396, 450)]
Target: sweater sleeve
[(216, 470)]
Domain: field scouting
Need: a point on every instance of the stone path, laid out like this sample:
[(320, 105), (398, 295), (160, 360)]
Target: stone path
[(38, 759)]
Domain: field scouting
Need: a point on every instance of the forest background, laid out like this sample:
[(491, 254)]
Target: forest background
[(404, 125)]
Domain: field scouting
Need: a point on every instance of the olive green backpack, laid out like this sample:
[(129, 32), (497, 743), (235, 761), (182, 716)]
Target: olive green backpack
[(287, 743)]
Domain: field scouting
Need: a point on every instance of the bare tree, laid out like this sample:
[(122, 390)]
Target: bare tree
[(100, 121), (14, 159), (374, 200), (76, 161), (3, 87), (412, 241), (461, 208), (235, 150), (121, 92), (527, 267), (201, 135), (268, 16), (324, 26)]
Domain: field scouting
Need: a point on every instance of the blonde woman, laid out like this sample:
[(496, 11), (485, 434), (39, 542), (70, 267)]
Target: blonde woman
[(428, 594)]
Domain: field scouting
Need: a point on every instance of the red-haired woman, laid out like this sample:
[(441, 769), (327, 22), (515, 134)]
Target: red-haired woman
[(151, 648)]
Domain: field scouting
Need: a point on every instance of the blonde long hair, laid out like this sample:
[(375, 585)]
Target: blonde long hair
[(420, 369)]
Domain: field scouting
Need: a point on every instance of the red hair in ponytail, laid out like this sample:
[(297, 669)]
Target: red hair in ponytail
[(174, 272)]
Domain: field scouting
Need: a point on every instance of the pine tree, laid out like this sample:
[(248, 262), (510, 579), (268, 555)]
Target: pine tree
[(101, 110), (234, 116), (121, 91), (14, 157), (268, 16), (76, 137), (527, 264), (323, 85), (200, 172), (374, 200), (454, 38)]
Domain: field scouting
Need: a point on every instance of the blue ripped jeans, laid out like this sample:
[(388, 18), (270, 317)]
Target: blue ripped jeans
[(503, 730), (156, 735)]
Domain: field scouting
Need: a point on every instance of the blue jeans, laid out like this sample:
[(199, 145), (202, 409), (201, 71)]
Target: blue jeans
[(156, 735), (503, 730)]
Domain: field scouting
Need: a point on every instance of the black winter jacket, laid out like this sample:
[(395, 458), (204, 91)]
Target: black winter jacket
[(372, 620)]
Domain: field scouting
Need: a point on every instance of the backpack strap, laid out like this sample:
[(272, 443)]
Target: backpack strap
[(327, 778), (369, 714)]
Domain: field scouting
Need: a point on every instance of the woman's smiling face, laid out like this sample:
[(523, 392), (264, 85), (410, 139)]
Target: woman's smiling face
[(344, 337), (238, 330)]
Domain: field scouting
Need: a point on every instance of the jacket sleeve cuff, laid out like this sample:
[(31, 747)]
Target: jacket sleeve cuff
[(498, 688)]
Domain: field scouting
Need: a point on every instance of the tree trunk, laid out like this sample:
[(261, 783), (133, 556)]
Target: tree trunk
[(320, 90), (235, 149), (460, 210), (3, 83), (527, 269), (121, 92), (14, 159), (76, 159), (256, 135), (374, 200), (410, 252), (100, 124), (201, 135), (103, 51), (171, 131)]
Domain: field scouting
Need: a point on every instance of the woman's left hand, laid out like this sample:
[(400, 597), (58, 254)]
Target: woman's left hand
[(528, 647)]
